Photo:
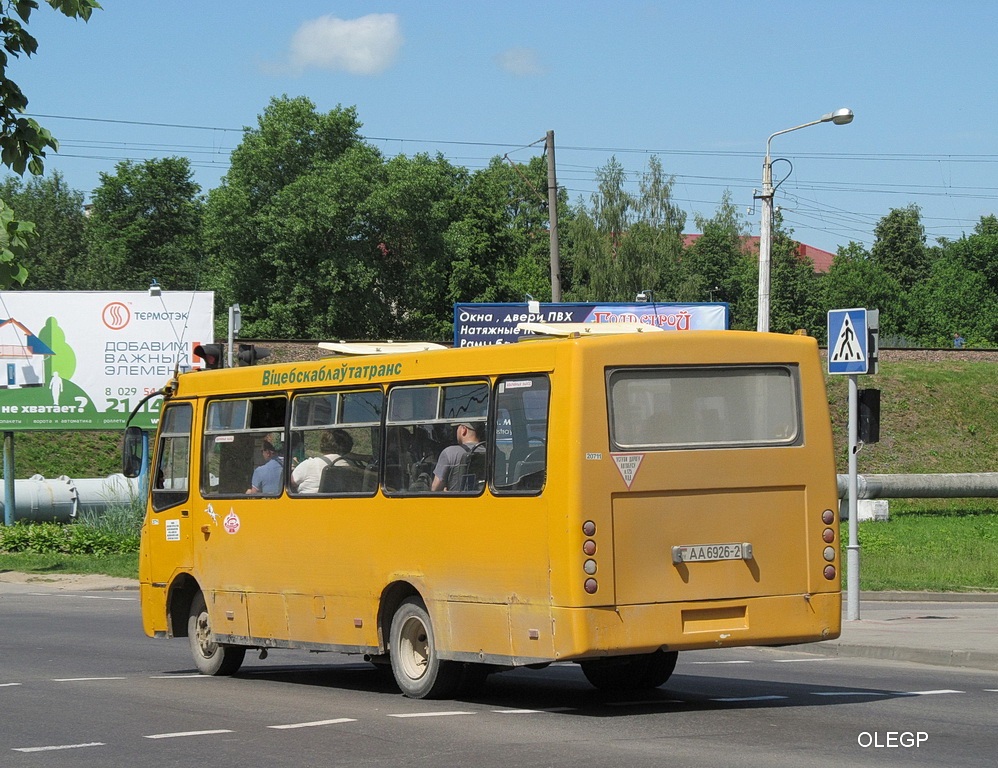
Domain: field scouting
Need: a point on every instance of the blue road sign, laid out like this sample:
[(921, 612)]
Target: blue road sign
[(848, 341)]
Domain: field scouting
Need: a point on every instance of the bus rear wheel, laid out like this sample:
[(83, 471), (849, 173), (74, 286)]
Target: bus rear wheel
[(419, 671), (210, 658), (630, 673)]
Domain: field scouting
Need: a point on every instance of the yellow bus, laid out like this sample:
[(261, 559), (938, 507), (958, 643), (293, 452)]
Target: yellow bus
[(617, 498)]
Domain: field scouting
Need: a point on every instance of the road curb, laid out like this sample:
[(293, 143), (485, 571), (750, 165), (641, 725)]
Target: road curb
[(929, 597), (981, 660)]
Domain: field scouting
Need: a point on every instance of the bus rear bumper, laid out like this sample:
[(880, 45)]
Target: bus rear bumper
[(775, 620)]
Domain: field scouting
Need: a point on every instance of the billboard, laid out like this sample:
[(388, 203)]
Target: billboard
[(483, 324), (84, 359)]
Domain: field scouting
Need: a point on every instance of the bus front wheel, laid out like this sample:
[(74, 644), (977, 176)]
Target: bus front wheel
[(210, 657), (630, 673), (419, 672)]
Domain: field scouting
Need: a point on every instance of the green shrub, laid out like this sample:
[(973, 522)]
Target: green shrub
[(100, 535)]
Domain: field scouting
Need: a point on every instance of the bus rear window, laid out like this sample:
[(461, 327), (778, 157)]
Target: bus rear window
[(704, 407)]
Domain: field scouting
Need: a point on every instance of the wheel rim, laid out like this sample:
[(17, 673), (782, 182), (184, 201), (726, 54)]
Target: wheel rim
[(202, 634), (414, 648)]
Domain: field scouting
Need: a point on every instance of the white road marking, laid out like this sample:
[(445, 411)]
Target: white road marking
[(83, 679), (8, 685), (928, 693), (59, 746), (849, 693), (181, 734), (738, 661), (533, 711), (313, 724), (802, 661), (750, 698), (192, 676), (432, 714)]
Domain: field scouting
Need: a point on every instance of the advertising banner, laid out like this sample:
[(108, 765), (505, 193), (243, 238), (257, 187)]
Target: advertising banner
[(74, 360), (478, 325)]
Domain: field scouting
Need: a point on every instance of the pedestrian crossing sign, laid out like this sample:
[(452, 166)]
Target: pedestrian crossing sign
[(848, 341)]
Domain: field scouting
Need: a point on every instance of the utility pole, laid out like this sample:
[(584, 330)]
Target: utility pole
[(553, 220)]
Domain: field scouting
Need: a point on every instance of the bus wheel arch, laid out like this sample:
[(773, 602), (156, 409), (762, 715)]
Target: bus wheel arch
[(210, 657), (182, 592)]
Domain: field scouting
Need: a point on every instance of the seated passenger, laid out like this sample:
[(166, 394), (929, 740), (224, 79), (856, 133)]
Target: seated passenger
[(268, 478), (446, 473), (334, 444)]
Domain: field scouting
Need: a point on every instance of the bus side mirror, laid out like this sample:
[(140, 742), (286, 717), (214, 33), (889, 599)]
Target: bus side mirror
[(869, 415), (132, 450)]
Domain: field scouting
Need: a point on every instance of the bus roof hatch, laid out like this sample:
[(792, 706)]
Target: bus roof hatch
[(377, 347)]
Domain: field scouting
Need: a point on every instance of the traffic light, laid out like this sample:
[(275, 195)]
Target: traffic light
[(250, 353), (869, 415), (213, 355)]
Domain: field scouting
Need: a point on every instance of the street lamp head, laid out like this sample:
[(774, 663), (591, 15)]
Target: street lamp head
[(842, 116)]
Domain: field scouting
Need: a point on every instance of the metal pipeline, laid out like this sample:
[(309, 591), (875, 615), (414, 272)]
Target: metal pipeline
[(967, 485), (64, 499)]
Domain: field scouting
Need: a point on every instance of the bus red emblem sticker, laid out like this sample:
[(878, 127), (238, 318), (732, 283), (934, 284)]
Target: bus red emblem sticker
[(231, 523), (627, 465)]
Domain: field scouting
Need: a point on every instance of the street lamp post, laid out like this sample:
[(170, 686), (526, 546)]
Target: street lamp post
[(838, 117)]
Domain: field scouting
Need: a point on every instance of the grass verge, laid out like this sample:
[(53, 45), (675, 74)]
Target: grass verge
[(943, 550), (124, 566)]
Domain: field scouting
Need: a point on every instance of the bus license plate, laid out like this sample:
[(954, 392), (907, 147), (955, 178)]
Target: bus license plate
[(707, 553)]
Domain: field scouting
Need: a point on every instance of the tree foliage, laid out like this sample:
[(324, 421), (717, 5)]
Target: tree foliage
[(285, 233), (56, 210), (317, 235), (625, 243), (23, 142), (144, 225)]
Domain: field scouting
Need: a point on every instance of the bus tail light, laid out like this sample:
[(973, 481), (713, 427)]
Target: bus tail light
[(830, 572), (589, 566)]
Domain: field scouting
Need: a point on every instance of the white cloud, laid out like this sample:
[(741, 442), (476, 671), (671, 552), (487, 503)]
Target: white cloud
[(522, 62), (364, 46)]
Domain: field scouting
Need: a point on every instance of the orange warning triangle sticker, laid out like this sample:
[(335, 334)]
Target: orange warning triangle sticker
[(627, 465)]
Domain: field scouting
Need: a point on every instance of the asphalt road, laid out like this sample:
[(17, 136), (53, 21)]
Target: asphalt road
[(80, 685)]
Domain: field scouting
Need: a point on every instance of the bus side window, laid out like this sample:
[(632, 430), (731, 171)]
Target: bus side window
[(235, 432), (173, 457), (520, 436), (424, 420)]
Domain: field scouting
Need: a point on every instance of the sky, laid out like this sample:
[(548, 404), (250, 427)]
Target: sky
[(700, 85)]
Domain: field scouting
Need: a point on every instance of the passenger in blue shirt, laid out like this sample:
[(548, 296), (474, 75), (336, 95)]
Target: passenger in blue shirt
[(268, 478)]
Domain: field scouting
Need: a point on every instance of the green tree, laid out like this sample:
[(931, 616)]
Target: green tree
[(144, 225), (501, 242), (794, 294), (408, 216), (716, 262), (954, 299), (284, 231), (899, 247), (23, 142), (625, 243), (55, 252), (856, 280)]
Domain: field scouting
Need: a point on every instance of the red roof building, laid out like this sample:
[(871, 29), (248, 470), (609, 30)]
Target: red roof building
[(822, 259)]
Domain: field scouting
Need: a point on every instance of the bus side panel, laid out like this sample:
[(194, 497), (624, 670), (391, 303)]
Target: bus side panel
[(504, 634)]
